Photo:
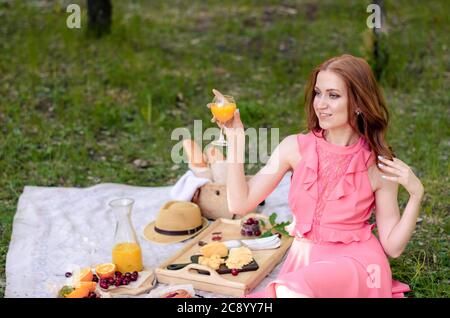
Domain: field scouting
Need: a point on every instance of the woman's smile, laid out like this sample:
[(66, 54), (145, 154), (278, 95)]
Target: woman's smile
[(323, 115)]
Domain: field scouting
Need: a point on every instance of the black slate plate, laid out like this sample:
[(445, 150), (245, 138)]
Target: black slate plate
[(223, 269)]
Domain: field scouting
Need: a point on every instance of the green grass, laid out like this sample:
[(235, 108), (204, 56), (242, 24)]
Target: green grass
[(76, 111)]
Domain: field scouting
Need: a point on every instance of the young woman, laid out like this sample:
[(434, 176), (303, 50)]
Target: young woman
[(343, 169)]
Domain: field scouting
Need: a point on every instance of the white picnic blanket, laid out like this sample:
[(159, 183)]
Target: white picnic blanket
[(57, 228)]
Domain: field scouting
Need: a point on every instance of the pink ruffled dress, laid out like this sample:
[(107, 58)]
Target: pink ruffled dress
[(334, 253)]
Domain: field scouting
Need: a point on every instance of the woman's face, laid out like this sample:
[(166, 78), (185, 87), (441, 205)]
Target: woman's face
[(330, 100)]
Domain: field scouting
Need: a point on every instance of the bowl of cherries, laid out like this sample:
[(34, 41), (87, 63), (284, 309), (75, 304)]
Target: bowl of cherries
[(250, 227)]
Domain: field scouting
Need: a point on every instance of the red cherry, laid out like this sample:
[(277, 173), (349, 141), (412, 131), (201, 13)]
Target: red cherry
[(257, 233), (104, 285), (234, 272), (243, 232), (118, 283)]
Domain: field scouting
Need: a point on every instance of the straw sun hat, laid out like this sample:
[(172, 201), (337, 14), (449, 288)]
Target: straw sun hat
[(176, 221)]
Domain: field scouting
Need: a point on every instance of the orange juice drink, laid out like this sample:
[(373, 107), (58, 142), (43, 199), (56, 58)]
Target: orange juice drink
[(127, 257), (223, 113)]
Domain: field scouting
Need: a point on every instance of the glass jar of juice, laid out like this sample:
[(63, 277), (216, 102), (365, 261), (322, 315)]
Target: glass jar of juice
[(126, 253)]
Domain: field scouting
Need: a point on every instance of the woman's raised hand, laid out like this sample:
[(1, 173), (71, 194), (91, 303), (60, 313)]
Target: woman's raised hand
[(403, 174), (234, 124)]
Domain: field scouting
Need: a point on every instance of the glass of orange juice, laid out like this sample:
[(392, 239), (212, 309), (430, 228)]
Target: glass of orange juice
[(222, 107), (126, 253)]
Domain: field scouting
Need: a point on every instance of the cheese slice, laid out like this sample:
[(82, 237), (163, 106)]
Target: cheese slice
[(239, 257), (214, 248), (214, 261)]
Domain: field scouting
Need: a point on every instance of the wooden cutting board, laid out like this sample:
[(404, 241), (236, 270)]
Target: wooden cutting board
[(210, 280)]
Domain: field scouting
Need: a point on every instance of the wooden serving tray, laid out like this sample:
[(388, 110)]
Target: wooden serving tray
[(225, 284)]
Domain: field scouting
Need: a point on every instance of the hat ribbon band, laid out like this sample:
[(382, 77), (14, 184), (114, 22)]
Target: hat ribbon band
[(187, 232)]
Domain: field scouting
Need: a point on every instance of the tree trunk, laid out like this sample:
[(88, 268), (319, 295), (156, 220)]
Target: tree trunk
[(99, 17)]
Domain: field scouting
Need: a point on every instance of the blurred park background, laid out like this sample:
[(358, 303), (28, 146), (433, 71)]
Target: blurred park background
[(78, 109)]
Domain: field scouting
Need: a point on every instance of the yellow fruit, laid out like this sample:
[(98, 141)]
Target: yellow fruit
[(90, 285), (105, 270), (85, 275), (79, 292)]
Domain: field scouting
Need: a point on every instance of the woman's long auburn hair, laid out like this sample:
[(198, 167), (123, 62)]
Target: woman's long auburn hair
[(363, 94)]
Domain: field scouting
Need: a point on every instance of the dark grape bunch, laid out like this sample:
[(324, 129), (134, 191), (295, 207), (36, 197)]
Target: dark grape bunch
[(119, 279)]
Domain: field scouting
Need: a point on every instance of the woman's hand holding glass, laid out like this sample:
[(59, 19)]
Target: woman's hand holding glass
[(226, 115)]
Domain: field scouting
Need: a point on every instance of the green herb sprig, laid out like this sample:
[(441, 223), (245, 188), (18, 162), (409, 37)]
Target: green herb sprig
[(278, 227)]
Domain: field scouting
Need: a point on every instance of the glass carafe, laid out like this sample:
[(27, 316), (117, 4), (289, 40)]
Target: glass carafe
[(126, 253)]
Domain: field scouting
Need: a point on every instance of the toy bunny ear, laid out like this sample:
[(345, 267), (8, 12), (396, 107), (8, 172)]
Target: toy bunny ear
[(194, 153), (213, 154), (217, 162)]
